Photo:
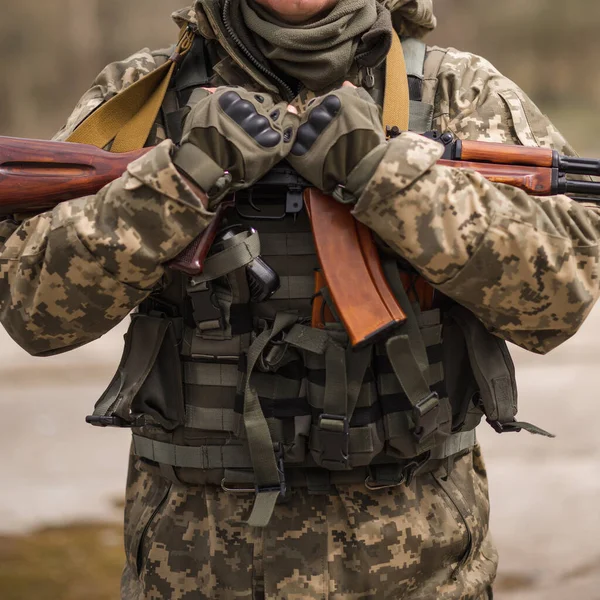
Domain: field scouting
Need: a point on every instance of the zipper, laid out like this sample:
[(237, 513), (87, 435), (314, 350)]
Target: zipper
[(139, 557), (265, 70), (221, 36)]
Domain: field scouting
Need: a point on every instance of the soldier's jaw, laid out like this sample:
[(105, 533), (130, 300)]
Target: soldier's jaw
[(297, 11)]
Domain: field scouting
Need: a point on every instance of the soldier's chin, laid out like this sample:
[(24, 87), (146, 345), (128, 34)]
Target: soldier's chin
[(297, 11)]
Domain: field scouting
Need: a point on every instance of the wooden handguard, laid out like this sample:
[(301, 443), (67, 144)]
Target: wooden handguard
[(350, 264), (506, 154), (533, 180)]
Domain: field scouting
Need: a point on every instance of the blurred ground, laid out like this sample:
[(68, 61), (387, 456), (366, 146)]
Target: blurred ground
[(62, 480)]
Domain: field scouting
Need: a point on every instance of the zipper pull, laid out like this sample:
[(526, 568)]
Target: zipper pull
[(368, 80)]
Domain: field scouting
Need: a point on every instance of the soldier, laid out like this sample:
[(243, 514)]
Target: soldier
[(268, 461)]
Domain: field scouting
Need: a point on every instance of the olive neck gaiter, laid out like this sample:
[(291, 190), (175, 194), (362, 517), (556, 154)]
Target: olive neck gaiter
[(319, 53)]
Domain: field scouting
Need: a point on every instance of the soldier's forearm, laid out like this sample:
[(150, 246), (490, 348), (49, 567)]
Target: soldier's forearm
[(70, 275), (528, 267)]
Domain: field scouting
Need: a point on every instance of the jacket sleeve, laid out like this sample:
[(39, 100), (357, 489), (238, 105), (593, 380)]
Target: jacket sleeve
[(69, 275), (526, 266)]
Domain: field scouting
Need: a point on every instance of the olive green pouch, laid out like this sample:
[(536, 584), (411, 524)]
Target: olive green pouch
[(148, 381)]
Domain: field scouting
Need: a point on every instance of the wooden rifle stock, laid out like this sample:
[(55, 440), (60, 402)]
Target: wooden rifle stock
[(36, 175)]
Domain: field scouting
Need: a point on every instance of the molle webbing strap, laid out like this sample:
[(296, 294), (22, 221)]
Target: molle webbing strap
[(396, 103), (128, 117), (455, 443), (236, 457), (241, 249), (194, 457), (264, 462)]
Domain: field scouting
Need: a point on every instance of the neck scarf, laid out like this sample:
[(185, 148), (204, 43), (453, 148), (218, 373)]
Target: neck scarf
[(319, 53)]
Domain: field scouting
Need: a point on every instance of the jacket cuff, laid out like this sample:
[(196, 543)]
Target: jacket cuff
[(157, 171), (407, 158)]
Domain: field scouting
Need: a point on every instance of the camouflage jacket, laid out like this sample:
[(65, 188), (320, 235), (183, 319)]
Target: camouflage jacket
[(527, 267)]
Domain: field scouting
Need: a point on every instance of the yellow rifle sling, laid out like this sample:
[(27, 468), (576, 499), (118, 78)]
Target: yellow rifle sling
[(128, 117), (396, 101)]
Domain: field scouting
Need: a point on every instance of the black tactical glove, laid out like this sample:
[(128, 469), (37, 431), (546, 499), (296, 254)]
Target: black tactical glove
[(232, 138), (339, 143)]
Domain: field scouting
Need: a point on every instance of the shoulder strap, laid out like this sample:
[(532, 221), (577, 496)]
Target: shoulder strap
[(403, 104), (128, 117), (396, 100), (421, 112)]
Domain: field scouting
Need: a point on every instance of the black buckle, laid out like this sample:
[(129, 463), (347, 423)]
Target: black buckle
[(335, 440), (426, 413), (410, 470), (108, 421), (281, 487), (508, 427)]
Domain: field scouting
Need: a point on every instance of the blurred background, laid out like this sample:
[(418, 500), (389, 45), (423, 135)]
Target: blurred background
[(61, 481)]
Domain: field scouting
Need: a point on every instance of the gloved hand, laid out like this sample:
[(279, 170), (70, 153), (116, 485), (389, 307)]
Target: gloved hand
[(340, 142), (232, 138)]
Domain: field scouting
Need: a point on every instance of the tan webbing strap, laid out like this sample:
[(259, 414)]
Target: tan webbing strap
[(396, 102), (128, 117)]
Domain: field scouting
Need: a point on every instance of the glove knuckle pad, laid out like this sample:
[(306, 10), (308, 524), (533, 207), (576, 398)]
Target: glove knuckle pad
[(244, 113), (332, 104), (316, 123)]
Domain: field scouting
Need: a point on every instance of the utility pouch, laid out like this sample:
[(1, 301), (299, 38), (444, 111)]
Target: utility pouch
[(461, 384), (414, 403), (346, 430), (410, 377), (492, 367), (493, 372), (147, 387)]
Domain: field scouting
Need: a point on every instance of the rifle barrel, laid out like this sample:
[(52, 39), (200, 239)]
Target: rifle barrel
[(582, 188), (573, 165)]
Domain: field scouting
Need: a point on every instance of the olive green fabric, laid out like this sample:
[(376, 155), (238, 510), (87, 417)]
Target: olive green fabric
[(212, 137), (321, 52), (349, 148), (421, 111)]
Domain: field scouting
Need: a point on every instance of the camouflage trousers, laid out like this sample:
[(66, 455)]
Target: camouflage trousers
[(425, 541)]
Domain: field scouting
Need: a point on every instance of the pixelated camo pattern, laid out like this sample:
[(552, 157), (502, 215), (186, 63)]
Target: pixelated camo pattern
[(69, 275), (527, 267), (426, 541)]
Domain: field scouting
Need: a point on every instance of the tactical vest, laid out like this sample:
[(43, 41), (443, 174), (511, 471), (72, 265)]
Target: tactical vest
[(247, 395)]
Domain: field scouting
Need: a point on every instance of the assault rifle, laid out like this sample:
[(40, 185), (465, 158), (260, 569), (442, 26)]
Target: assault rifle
[(36, 175)]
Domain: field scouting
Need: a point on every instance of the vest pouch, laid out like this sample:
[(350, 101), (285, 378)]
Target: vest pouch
[(410, 379), (223, 285), (346, 430), (148, 382), (401, 430), (491, 385), (461, 385)]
